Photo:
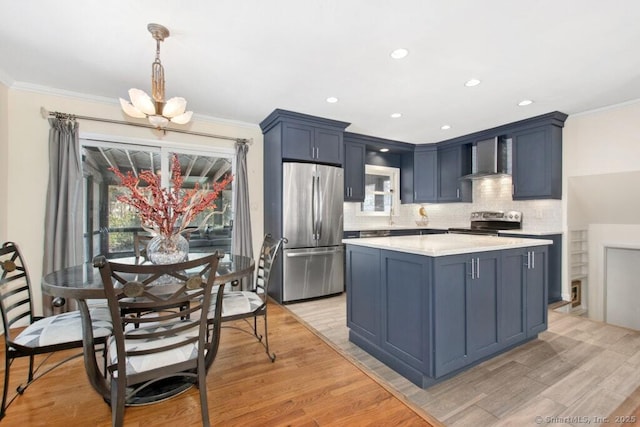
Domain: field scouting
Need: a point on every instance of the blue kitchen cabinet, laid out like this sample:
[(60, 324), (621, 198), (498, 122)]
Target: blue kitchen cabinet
[(301, 137), (429, 318), (466, 308), (453, 163), (554, 260), (535, 280), (309, 143), (405, 324), (354, 171), (513, 297), (363, 292), (425, 174), (537, 163), (524, 293)]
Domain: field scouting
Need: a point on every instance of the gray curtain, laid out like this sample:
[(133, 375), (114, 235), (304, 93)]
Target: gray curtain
[(241, 234), (63, 218)]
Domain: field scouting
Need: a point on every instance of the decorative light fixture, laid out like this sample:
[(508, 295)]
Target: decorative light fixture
[(154, 108)]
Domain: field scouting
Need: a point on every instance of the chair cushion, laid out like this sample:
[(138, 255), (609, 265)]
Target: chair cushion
[(138, 364), (65, 327), (237, 302)]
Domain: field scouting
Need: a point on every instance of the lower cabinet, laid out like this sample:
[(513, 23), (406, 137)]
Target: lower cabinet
[(430, 317), (466, 308)]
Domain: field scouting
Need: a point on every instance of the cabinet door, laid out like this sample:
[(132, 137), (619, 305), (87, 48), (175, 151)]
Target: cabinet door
[(448, 175), (537, 170), (354, 172), (425, 176), (453, 163), (536, 276), (297, 142), (363, 292), (328, 146), (512, 315), (405, 327), (450, 316), (483, 305)]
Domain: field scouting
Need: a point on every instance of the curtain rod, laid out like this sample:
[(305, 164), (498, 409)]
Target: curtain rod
[(67, 116)]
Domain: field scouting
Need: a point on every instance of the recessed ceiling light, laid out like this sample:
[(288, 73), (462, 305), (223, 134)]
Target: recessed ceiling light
[(396, 115), (384, 150), (332, 100), (445, 127), (525, 102), (399, 53), (472, 82)]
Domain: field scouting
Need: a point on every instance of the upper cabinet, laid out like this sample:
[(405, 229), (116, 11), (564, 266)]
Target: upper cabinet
[(536, 159), (354, 171), (537, 163), (305, 138), (436, 173), (453, 163), (425, 174)]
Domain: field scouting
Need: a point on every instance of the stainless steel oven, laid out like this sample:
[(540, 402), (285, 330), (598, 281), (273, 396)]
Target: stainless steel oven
[(490, 223)]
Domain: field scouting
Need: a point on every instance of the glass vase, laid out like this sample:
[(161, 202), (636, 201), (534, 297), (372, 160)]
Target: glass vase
[(168, 249)]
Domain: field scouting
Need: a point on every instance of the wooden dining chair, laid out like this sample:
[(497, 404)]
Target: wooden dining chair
[(42, 335), (149, 350), (251, 304)]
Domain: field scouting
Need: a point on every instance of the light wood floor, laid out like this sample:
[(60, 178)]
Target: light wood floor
[(577, 368), (310, 384)]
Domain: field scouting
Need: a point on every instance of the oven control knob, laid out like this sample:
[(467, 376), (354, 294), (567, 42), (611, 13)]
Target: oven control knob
[(510, 216)]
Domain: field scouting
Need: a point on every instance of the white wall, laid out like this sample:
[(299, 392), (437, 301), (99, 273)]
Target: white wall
[(4, 150), (602, 179), (27, 162)]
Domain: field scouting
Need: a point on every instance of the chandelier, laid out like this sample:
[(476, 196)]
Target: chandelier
[(154, 107)]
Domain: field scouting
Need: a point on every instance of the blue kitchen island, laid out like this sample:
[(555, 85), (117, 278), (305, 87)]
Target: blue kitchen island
[(431, 306)]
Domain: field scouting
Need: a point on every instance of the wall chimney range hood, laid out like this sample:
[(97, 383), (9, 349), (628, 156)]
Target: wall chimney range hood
[(491, 158)]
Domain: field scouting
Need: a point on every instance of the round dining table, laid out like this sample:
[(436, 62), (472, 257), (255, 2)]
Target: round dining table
[(83, 283)]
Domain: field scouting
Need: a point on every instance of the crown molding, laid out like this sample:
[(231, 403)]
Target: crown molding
[(29, 87)]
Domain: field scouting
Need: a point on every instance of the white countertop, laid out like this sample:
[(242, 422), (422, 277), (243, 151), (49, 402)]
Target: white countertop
[(446, 244)]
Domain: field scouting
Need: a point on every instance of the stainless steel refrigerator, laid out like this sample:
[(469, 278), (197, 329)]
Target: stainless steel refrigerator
[(313, 257)]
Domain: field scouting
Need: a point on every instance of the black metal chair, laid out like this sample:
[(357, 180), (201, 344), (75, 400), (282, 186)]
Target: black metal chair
[(42, 335), (252, 304), (150, 349)]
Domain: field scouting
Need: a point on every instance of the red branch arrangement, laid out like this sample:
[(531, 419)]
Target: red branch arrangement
[(163, 210)]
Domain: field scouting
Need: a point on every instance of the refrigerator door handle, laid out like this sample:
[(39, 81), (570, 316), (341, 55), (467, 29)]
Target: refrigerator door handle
[(313, 208), (320, 210), (302, 254)]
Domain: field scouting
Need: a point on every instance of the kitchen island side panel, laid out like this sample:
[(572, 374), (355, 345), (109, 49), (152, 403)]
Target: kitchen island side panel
[(406, 321), (363, 292)]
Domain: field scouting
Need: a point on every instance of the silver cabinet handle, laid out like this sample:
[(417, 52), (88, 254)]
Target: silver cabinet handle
[(477, 268), (533, 260), (473, 268), (457, 193)]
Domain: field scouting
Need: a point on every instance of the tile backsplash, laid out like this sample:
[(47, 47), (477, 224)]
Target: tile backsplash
[(491, 194)]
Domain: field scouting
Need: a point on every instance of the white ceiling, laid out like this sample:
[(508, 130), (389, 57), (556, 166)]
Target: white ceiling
[(240, 59)]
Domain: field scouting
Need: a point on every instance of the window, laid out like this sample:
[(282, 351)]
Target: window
[(110, 226), (380, 190)]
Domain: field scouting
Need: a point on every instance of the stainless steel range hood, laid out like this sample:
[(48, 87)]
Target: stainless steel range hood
[(490, 158)]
